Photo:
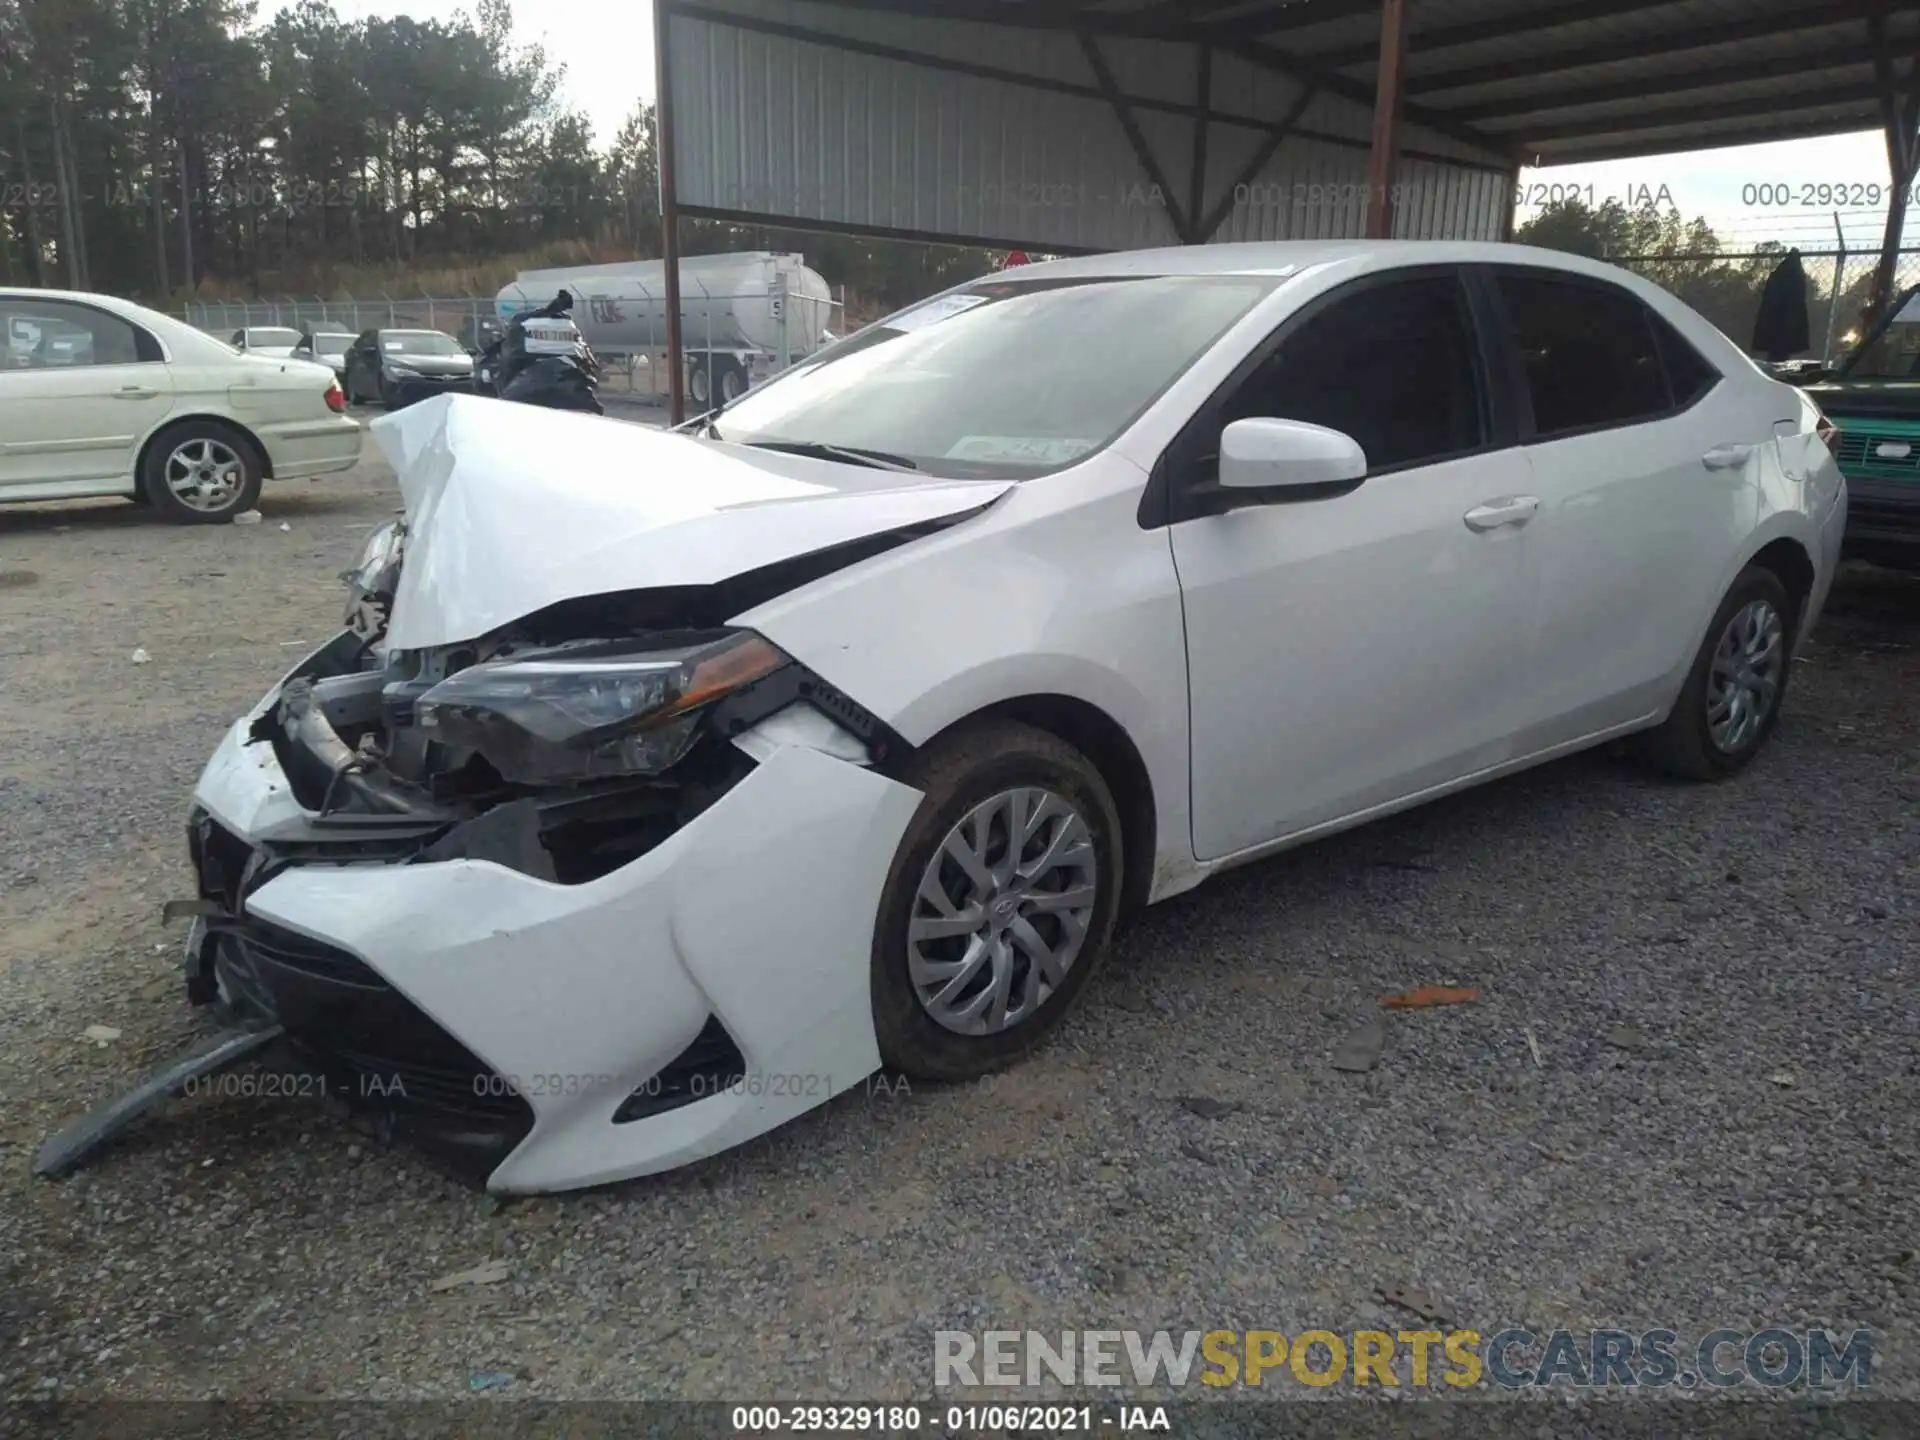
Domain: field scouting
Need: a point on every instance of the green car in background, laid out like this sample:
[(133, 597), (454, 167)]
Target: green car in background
[(1872, 397)]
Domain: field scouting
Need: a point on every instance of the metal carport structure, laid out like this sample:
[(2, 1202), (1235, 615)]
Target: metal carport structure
[(1077, 125)]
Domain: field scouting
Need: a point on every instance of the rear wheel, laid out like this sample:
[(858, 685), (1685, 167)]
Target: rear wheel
[(201, 473), (733, 382), (1731, 699), (699, 384), (999, 902)]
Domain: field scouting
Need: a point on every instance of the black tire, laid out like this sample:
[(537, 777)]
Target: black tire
[(1684, 744), (700, 384), (955, 774), (733, 382), (219, 439)]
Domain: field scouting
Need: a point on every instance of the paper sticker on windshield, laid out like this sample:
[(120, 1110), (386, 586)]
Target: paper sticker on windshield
[(936, 310), (1019, 449)]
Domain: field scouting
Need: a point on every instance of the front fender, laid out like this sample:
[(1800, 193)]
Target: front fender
[(1039, 597)]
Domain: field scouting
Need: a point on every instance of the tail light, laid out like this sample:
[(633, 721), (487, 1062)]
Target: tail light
[(336, 399), (1829, 434)]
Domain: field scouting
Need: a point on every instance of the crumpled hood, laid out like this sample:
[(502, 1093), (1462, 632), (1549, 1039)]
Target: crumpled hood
[(512, 508)]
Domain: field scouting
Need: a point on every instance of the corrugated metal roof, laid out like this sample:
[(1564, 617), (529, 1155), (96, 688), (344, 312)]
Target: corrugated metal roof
[(1464, 53), (1107, 124)]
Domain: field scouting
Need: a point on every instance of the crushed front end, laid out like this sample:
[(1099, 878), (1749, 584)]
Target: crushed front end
[(588, 897)]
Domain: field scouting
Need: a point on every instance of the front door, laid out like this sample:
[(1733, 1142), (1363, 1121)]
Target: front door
[(1345, 653)]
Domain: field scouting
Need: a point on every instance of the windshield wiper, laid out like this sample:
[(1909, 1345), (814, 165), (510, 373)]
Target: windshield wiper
[(847, 454)]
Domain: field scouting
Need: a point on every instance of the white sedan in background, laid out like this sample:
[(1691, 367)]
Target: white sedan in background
[(153, 409), (663, 785), (277, 342)]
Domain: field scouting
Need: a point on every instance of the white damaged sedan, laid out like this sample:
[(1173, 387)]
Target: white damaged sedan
[(663, 785)]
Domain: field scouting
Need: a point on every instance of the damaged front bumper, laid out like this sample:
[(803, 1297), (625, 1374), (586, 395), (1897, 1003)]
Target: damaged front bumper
[(551, 1035)]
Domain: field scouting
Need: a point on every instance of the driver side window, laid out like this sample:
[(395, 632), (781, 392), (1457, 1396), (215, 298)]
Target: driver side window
[(1393, 364)]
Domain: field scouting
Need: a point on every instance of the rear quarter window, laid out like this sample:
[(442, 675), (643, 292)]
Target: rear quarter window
[(1690, 374)]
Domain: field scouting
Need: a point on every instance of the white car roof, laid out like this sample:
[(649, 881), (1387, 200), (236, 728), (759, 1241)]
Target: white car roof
[(1361, 257), (1266, 257)]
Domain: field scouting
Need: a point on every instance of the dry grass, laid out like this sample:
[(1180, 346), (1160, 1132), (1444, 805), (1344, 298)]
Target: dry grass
[(444, 276)]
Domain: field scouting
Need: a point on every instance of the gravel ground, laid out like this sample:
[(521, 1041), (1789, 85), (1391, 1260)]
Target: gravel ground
[(1719, 1130)]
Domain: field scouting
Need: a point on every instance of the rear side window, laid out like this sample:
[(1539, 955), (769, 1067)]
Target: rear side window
[(1689, 375), (45, 333), (1589, 351)]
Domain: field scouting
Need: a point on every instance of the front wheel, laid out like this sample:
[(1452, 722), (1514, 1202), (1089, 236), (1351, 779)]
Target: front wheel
[(1732, 695), (998, 904)]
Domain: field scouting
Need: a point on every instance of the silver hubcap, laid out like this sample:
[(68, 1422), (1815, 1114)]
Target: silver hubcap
[(205, 474), (1744, 683), (1002, 911)]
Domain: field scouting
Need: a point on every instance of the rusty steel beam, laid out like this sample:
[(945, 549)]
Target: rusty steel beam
[(669, 218), (1384, 161)]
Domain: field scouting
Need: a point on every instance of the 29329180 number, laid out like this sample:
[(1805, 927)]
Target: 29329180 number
[(1819, 194), (851, 1419)]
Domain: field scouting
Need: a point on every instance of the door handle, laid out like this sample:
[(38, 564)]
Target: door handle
[(134, 392), (1515, 510), (1726, 457)]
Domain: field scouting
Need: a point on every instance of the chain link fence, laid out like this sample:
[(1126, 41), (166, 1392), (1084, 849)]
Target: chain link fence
[(1726, 289), (746, 336)]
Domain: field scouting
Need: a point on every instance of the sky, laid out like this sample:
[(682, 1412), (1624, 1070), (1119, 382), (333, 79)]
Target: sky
[(606, 46), (1747, 194)]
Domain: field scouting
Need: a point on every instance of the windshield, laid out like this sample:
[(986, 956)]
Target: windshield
[(1893, 354), (273, 338), (331, 344), (1007, 379), (419, 342)]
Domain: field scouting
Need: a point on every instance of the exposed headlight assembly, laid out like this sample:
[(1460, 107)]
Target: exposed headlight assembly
[(373, 579), (591, 711), (402, 372)]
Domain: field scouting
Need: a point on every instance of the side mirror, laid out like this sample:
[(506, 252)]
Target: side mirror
[(1280, 461)]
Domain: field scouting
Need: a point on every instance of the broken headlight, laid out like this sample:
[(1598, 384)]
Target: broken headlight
[(372, 581), (590, 711)]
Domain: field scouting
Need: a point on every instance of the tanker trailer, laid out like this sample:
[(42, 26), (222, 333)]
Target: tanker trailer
[(743, 315)]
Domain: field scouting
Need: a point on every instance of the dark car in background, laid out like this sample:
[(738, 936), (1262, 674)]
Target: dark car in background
[(328, 347), (397, 367), (1872, 398)]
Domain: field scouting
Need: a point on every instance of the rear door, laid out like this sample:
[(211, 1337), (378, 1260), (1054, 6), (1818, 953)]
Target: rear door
[(73, 420), (1645, 457)]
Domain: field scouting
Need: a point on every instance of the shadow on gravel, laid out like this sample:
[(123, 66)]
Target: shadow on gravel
[(1871, 609), (281, 500)]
